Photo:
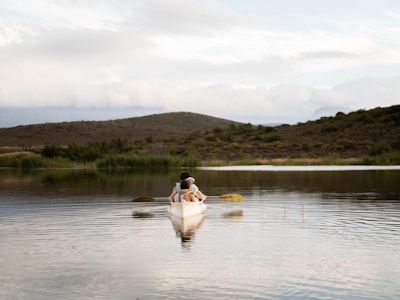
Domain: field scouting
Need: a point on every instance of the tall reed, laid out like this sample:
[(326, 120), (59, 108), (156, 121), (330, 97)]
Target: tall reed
[(388, 158), (34, 161), (147, 161)]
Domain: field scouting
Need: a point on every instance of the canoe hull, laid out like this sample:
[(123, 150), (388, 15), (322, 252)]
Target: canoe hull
[(185, 209)]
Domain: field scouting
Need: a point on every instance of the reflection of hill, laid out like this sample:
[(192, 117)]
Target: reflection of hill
[(88, 182), (128, 183), (384, 183)]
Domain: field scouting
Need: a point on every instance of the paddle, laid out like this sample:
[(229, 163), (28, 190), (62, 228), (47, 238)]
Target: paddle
[(143, 199), (227, 197), (232, 197)]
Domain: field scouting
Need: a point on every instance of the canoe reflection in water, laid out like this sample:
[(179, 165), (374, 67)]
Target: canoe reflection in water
[(186, 227)]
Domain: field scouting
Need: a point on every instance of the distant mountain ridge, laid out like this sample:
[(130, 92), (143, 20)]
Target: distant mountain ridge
[(15, 116), (328, 112)]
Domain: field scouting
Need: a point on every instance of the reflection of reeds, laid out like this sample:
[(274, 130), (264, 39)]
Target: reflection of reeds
[(231, 214), (142, 215)]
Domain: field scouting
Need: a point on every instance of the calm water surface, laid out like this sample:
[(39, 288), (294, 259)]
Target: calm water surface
[(299, 234)]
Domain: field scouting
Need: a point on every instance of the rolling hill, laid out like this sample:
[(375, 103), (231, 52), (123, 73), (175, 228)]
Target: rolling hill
[(355, 134), (156, 126)]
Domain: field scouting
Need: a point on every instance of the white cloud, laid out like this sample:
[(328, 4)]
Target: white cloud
[(283, 102), (393, 14), (195, 54), (372, 92)]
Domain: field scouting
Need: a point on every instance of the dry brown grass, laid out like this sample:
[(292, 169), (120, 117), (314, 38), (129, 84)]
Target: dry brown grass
[(23, 153)]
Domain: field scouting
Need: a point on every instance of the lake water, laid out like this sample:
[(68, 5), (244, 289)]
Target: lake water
[(301, 233)]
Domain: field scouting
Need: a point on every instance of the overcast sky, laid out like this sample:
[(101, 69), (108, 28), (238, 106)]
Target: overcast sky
[(251, 61)]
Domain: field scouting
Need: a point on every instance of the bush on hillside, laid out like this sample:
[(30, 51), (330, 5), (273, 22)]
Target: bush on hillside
[(378, 149)]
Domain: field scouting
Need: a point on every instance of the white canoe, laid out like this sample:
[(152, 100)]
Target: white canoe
[(186, 209)]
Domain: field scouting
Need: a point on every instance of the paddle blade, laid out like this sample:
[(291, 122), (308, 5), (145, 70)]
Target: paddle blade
[(143, 199), (232, 197)]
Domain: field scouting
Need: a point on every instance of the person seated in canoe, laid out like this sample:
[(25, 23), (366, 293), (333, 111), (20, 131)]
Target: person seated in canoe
[(185, 193), (194, 189)]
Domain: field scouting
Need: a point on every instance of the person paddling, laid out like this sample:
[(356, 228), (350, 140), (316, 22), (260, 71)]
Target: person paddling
[(185, 193), (193, 188)]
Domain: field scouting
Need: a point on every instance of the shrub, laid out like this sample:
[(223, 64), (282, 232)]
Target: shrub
[(217, 130), (273, 138), (50, 151), (149, 139), (329, 129), (258, 138), (234, 146), (276, 144), (360, 111), (394, 109), (318, 144), (200, 142), (82, 153), (232, 126), (339, 147), (348, 124), (365, 118), (244, 128), (376, 134), (306, 146), (396, 119), (195, 134), (268, 129), (347, 144), (191, 151), (308, 131), (376, 113), (211, 138), (397, 142), (378, 149)]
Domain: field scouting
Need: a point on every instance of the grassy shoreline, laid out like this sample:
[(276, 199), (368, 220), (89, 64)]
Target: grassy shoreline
[(27, 160)]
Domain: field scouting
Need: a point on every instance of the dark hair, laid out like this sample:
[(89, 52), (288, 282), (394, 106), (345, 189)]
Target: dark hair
[(185, 184), (185, 175)]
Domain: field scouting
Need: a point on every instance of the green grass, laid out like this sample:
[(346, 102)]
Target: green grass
[(154, 162), (23, 161), (384, 159), (147, 161)]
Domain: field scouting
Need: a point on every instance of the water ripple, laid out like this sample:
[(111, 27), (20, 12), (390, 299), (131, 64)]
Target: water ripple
[(272, 246)]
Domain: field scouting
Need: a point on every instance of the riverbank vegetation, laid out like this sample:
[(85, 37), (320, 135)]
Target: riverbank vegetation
[(362, 137)]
